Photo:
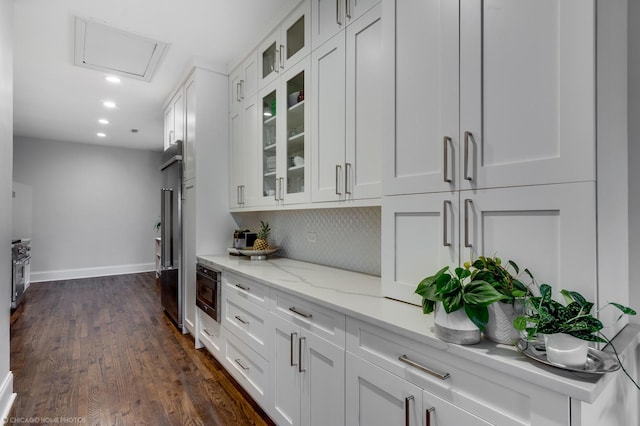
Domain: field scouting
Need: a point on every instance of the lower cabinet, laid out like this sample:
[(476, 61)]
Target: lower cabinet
[(377, 397), (307, 376), (209, 333)]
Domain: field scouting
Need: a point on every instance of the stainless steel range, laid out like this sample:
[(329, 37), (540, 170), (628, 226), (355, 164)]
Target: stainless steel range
[(21, 261)]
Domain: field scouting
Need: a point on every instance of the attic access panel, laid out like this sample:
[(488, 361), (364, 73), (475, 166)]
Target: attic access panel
[(103, 48)]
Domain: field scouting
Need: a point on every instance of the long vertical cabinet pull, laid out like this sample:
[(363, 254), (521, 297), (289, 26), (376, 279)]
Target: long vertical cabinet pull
[(446, 206), (347, 173), (347, 8), (300, 369), (407, 410), (238, 98), (338, 21), (338, 173), (429, 412), (276, 57), (467, 203), (293, 364), (275, 193), (445, 169), (238, 194), (282, 188), (467, 137), (282, 56)]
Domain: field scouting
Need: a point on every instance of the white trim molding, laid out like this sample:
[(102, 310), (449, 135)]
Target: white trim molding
[(69, 274), (7, 397)]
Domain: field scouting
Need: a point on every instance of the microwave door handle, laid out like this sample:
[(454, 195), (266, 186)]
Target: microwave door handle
[(166, 218)]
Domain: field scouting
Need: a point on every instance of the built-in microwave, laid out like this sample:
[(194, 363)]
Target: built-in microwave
[(208, 283)]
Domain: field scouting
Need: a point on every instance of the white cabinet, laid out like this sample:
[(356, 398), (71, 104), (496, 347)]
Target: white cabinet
[(174, 119), (307, 363), (243, 175), (284, 141), (243, 81), (347, 131), (549, 229), (285, 46), (189, 257), (209, 334), (190, 137), (330, 16)]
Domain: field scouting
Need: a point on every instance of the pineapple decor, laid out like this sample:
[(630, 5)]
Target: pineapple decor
[(262, 240)]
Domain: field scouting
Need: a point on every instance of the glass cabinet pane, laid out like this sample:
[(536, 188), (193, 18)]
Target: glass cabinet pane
[(269, 56), (295, 134), (295, 37), (269, 144)]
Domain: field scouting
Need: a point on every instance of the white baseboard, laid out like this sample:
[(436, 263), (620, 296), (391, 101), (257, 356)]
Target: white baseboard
[(69, 274), (7, 397)]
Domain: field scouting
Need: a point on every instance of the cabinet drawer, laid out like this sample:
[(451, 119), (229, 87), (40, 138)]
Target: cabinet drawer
[(247, 322), (210, 333), (247, 367), (246, 289), (493, 397), (328, 324)]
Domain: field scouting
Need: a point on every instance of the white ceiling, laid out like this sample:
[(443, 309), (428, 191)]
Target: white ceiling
[(56, 100)]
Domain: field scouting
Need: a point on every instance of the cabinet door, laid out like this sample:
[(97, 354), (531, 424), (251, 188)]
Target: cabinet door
[(189, 257), (270, 131), (236, 154), (328, 19), (527, 92), (235, 90), (420, 121), (284, 365), (353, 9), (243, 130), (295, 36), (295, 153), (438, 412), (168, 126), (178, 117), (364, 107), (328, 120), (249, 81), (549, 229), (190, 130), (419, 236), (377, 397), (323, 365), (268, 59)]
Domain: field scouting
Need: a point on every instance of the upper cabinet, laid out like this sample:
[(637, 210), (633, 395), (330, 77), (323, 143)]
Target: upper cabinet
[(347, 112), (285, 46), (174, 119), (515, 112), (331, 16), (243, 81)]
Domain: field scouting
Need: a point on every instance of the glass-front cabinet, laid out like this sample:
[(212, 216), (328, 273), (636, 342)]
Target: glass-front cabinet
[(285, 46), (285, 146)]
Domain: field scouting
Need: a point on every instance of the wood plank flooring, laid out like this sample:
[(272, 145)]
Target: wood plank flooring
[(102, 351)]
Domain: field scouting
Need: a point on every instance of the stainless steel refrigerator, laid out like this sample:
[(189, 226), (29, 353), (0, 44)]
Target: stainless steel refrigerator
[(171, 234)]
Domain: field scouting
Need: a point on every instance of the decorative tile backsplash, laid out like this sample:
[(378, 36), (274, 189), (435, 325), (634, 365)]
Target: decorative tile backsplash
[(347, 238)]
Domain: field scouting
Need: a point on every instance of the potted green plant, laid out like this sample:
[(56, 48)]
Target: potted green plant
[(460, 303), (567, 328), (507, 280)]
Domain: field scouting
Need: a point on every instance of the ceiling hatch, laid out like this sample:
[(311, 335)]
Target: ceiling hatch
[(114, 51)]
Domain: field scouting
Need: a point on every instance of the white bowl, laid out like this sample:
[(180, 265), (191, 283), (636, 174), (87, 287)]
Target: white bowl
[(298, 161), (293, 98)]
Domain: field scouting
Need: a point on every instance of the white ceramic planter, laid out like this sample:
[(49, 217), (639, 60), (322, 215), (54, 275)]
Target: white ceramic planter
[(455, 327), (500, 326), (564, 349)]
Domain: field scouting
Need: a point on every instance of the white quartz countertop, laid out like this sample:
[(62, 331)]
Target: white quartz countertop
[(360, 296)]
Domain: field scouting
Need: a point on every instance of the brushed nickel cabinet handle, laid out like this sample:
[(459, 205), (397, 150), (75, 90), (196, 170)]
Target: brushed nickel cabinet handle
[(245, 368), (467, 203), (242, 193), (282, 56), (238, 92), (241, 287), (300, 369), (446, 206), (242, 82), (467, 136), (338, 173), (302, 314), (441, 376), (338, 21), (445, 169), (205, 331), (429, 411), (347, 8), (407, 410), (282, 189), (347, 173), (293, 364), (241, 320)]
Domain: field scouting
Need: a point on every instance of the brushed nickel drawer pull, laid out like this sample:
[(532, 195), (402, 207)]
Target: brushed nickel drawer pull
[(237, 360), (241, 287), (467, 135), (407, 412), (296, 311), (429, 411), (241, 320), (441, 376), (205, 331)]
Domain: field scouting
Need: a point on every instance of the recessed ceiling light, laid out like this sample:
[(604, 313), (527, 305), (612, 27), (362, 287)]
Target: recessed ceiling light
[(103, 121), (112, 79), (109, 104), (100, 135)]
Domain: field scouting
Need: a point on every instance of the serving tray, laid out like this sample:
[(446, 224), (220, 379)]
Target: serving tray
[(258, 254), (598, 362)]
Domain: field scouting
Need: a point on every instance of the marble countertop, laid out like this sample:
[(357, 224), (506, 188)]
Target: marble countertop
[(360, 296)]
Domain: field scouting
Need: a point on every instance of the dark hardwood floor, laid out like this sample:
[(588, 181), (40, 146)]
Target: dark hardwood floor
[(100, 351)]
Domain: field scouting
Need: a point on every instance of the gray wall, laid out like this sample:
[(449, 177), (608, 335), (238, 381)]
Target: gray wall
[(94, 207), (634, 153), (6, 147)]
